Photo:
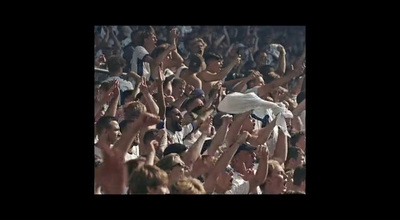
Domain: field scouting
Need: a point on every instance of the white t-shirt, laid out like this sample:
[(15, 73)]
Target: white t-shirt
[(123, 84), (138, 65), (242, 188), (239, 185), (178, 136)]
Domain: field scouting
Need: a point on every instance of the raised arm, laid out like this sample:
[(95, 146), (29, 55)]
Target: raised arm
[(267, 88), (220, 136), (112, 109), (188, 90), (282, 61), (151, 104), (263, 134), (111, 175), (208, 77), (125, 141), (194, 151), (223, 162), (235, 127), (244, 81), (280, 153), (177, 59), (262, 170), (115, 39), (160, 93)]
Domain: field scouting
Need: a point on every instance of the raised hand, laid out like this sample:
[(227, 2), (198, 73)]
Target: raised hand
[(262, 152), (227, 119), (281, 49), (205, 127), (143, 86), (174, 33), (189, 89)]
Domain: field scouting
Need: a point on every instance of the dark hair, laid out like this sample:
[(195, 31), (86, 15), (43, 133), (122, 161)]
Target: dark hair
[(177, 81), (106, 85), (104, 123), (144, 35), (168, 110), (158, 50), (301, 96), (206, 145), (212, 56), (295, 138), (123, 124), (299, 175), (125, 94), (293, 152), (217, 120), (114, 63), (175, 148), (149, 136), (195, 62)]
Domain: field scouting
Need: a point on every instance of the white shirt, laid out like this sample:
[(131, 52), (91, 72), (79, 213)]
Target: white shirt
[(137, 63), (239, 184), (178, 136), (242, 188), (123, 84)]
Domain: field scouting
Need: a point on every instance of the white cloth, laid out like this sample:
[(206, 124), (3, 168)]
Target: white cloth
[(237, 103)]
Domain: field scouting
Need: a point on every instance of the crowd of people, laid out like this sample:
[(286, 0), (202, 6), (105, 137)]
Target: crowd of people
[(199, 110)]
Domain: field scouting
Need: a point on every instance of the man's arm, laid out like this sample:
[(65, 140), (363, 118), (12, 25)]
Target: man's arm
[(223, 162), (194, 151), (261, 174), (282, 61), (220, 136), (280, 153)]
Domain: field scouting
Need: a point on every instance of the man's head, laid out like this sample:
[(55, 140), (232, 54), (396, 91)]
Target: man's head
[(149, 136), (299, 178), (133, 110), (194, 104), (107, 127), (244, 155), (299, 140), (174, 119), (148, 38), (248, 124), (197, 45), (214, 62), (276, 179), (260, 57), (295, 158), (196, 61), (115, 65), (148, 179), (188, 185), (174, 166), (178, 87), (225, 179)]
